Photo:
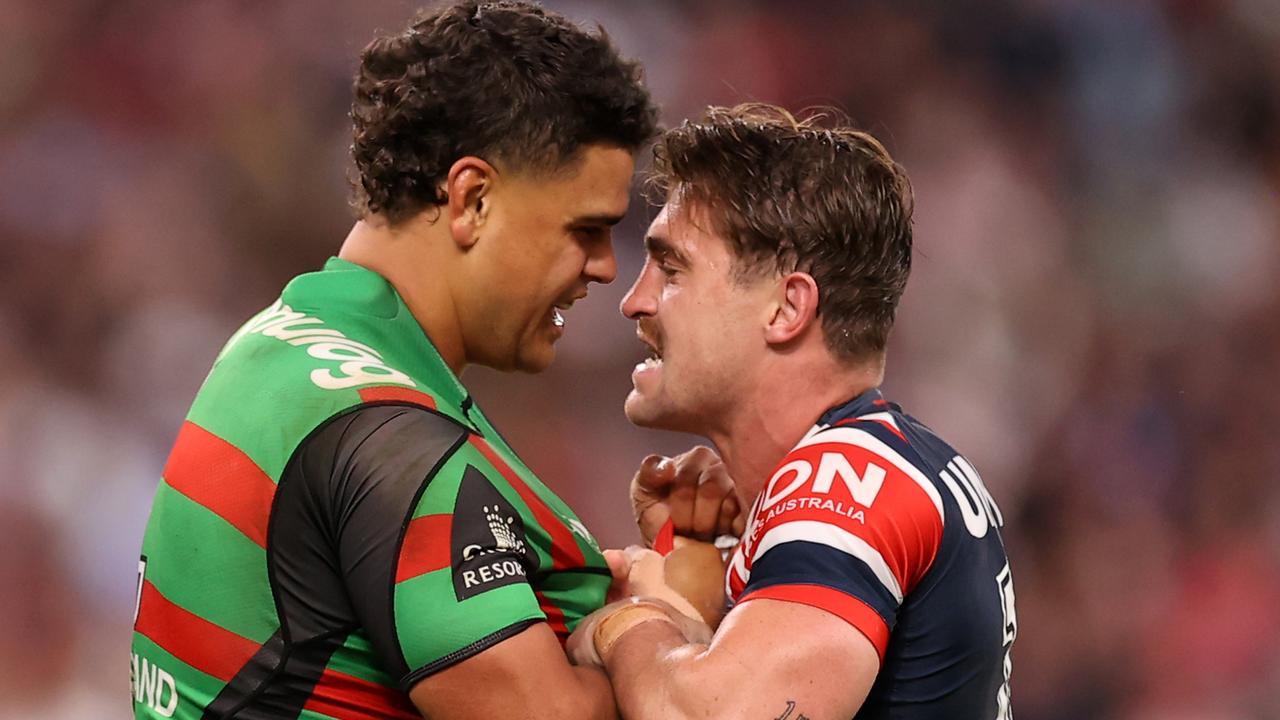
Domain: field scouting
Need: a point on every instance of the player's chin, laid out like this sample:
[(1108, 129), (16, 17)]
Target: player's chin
[(643, 411), (536, 357)]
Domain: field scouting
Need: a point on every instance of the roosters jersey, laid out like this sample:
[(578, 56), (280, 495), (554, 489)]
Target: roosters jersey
[(875, 519)]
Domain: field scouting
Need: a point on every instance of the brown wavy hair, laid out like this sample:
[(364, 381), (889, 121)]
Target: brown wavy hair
[(809, 194), (509, 82)]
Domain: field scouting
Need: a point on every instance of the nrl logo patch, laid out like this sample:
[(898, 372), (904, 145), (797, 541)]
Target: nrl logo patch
[(487, 547)]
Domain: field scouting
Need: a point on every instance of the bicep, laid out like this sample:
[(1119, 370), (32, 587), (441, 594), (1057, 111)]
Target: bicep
[(427, 579), (770, 656), (524, 676)]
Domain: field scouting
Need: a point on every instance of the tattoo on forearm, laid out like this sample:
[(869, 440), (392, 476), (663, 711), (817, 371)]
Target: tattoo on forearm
[(786, 714)]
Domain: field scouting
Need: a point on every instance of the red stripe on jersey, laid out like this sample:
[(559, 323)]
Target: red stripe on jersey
[(221, 478), (565, 552), (195, 641), (901, 523), (397, 393), (555, 618), (842, 605), (343, 696), (425, 547)]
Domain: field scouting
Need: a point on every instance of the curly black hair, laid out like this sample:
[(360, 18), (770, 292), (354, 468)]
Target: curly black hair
[(509, 82), (809, 194)]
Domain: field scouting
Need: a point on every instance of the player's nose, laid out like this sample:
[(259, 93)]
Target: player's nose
[(639, 301), (602, 264)]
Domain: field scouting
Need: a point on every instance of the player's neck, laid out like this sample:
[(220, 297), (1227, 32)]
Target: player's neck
[(784, 405), (408, 256)]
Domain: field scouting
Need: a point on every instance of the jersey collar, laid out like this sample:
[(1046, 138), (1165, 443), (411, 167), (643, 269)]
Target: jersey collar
[(386, 302), (868, 402)]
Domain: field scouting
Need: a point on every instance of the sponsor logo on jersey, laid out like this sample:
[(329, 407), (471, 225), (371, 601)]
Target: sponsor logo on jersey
[(153, 686), (977, 507), (835, 507), (488, 539), (809, 480), (358, 364), (581, 531), (825, 470), (504, 538)]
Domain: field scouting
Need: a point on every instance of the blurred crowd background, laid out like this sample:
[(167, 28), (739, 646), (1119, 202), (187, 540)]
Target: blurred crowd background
[(1094, 317)]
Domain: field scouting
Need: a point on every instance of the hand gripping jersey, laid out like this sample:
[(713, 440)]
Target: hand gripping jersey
[(875, 519), (337, 520)]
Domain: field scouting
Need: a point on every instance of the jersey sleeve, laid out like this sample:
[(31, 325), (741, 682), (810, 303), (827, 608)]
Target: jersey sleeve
[(432, 554), (846, 524)]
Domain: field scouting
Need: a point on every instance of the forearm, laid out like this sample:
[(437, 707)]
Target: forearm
[(595, 698), (769, 659), (656, 674), (585, 693), (526, 676)]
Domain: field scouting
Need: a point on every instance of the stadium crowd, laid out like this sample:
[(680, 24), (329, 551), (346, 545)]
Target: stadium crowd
[(1093, 319)]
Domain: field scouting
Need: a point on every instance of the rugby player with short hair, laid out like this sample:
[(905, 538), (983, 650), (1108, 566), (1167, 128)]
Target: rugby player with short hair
[(340, 532), (871, 580)]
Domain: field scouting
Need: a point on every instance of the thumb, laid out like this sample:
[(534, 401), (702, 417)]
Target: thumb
[(619, 567), (619, 564)]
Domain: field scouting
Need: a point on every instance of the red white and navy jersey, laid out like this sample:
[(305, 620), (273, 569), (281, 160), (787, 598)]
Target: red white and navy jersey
[(872, 517)]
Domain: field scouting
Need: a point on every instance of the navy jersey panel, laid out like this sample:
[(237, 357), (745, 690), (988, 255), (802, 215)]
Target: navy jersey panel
[(901, 524), (808, 563)]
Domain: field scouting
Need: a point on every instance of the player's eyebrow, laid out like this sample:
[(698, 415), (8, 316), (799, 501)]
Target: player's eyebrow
[(660, 247), (598, 219)]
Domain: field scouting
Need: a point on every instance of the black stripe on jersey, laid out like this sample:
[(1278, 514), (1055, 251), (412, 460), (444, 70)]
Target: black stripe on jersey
[(337, 520), (277, 681), (251, 679)]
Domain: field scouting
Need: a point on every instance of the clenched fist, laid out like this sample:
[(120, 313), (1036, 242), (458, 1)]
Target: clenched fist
[(693, 490)]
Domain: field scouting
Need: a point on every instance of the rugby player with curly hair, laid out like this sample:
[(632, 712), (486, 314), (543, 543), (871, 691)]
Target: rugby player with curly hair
[(340, 532)]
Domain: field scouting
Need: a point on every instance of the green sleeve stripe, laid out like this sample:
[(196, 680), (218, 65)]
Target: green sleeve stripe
[(431, 624), (471, 650)]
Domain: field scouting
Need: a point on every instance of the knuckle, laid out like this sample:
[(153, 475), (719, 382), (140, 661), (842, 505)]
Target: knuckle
[(709, 490), (702, 452)]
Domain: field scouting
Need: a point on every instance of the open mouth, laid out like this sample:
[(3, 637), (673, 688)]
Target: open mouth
[(653, 355), (559, 309)]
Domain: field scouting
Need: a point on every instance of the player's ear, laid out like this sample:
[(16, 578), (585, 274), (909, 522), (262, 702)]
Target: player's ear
[(467, 188), (793, 309)]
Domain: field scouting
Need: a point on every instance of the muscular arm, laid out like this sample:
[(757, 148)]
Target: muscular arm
[(769, 659), (526, 676), (400, 496), (819, 591)]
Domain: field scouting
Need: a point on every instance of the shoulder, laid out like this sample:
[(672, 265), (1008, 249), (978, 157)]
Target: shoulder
[(380, 442), (859, 461), (851, 491)]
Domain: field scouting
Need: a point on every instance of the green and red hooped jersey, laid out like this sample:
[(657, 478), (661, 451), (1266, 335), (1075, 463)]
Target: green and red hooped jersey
[(338, 520)]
